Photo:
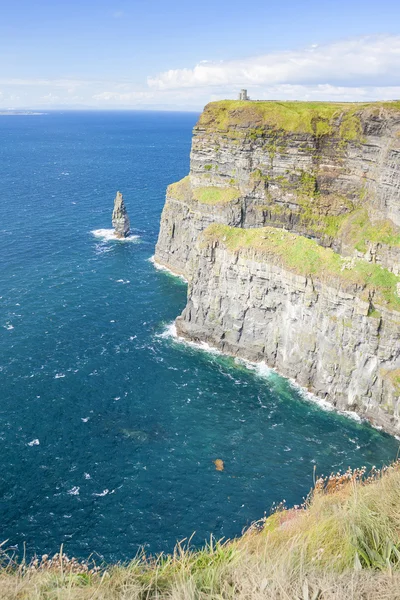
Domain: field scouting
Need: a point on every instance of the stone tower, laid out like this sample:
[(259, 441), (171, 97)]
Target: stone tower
[(243, 95), (120, 219)]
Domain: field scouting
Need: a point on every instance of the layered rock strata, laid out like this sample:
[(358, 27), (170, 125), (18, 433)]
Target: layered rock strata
[(325, 321), (320, 302), (327, 171), (120, 219)]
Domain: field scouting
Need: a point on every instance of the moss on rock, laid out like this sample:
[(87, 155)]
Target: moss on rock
[(341, 119), (215, 195), (305, 257)]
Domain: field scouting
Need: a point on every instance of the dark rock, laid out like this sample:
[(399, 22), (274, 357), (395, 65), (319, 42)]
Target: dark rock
[(120, 219)]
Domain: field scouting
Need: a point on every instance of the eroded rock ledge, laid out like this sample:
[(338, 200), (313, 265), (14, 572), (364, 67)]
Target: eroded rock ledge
[(288, 229), (330, 323)]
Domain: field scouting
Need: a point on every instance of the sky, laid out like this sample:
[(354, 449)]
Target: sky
[(180, 54)]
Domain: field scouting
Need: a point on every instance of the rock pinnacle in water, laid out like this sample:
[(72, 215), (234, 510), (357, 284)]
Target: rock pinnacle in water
[(120, 219)]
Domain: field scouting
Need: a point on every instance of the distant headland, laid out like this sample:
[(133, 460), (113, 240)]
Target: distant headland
[(16, 113)]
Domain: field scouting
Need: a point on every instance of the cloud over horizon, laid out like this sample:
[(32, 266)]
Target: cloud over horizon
[(364, 68), (363, 61)]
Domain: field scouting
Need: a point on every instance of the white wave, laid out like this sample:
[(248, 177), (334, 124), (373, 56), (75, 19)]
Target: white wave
[(170, 332), (74, 491), (87, 476), (108, 235), (124, 281), (103, 493), (59, 375), (261, 369), (166, 270), (34, 442), (8, 326)]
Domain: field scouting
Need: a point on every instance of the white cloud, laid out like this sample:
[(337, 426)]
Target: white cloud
[(370, 60), (366, 68)]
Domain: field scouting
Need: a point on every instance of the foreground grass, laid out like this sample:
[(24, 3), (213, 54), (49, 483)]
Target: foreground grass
[(343, 543)]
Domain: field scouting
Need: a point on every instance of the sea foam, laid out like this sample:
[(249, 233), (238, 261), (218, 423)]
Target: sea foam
[(170, 332), (108, 235), (166, 270), (261, 369)]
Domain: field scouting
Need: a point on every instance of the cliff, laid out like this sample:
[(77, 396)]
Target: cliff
[(328, 171), (316, 298), (334, 327)]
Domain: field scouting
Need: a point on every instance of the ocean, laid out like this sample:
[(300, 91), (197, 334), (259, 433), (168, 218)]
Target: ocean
[(109, 425)]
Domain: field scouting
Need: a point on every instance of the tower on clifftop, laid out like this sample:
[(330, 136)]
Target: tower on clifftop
[(243, 95)]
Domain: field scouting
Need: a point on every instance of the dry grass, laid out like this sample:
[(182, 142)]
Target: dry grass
[(342, 544)]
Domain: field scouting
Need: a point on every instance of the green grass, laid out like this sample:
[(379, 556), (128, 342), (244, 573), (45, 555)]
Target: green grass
[(357, 230), (343, 543), (315, 118), (215, 195), (305, 257), (181, 190)]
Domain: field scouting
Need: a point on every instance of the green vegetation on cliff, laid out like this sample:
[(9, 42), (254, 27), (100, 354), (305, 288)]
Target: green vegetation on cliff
[(215, 195), (343, 543), (305, 257), (316, 118), (182, 190), (357, 230)]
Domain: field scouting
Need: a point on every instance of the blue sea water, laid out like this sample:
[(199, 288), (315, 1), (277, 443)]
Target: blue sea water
[(108, 427)]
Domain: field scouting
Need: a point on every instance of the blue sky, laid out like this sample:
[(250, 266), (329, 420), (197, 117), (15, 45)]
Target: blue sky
[(179, 55)]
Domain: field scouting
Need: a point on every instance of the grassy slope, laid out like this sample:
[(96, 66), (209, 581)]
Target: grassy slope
[(305, 257), (357, 229), (343, 543), (317, 118)]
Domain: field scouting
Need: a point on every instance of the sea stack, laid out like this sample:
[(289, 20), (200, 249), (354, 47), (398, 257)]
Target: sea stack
[(120, 219)]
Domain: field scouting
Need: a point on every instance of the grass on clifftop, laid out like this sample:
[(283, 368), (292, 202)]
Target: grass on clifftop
[(182, 190), (304, 256), (316, 118), (343, 543)]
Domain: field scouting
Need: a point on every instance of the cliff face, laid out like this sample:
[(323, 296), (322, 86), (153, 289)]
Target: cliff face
[(328, 171), (331, 329), (321, 302)]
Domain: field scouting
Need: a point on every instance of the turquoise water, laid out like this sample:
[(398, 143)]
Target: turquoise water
[(108, 428)]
